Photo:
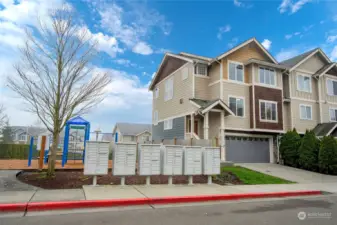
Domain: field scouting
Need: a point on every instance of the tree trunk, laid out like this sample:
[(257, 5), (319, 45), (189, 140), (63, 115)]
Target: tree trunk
[(52, 158)]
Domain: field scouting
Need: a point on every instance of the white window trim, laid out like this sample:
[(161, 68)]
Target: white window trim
[(167, 81), (304, 75), (264, 84), (306, 105), (326, 83), (155, 119), (196, 65), (332, 108), (243, 71), (244, 106), (170, 124), (276, 108)]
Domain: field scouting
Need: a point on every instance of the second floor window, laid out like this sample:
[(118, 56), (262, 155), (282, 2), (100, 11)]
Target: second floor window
[(305, 112), (304, 83), (268, 111), (200, 69), (235, 71), (331, 87), (333, 114), (267, 76), (168, 89), (237, 106), (156, 93), (168, 124)]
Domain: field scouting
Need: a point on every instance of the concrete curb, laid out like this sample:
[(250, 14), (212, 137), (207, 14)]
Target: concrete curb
[(42, 206)]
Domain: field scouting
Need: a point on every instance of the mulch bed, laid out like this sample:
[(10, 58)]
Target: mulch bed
[(76, 179)]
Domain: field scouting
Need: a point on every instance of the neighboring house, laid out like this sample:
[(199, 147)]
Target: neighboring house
[(23, 134), (244, 97), (132, 132)]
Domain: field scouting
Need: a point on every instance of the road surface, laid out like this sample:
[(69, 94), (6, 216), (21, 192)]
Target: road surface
[(311, 210)]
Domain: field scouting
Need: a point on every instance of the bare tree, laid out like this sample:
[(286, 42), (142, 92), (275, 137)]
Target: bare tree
[(54, 76), (3, 117)]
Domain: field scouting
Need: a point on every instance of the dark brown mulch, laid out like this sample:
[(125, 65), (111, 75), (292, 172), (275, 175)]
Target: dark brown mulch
[(76, 179)]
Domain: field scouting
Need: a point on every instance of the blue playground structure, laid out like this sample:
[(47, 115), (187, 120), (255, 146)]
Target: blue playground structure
[(79, 121)]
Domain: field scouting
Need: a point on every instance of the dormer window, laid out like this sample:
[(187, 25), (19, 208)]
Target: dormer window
[(200, 69)]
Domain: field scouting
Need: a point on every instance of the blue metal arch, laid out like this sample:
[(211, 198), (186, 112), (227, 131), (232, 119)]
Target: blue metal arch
[(74, 121)]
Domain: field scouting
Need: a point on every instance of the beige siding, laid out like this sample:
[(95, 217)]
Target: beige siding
[(214, 72), (215, 91), (201, 88), (127, 138), (298, 123), (325, 111), (182, 89), (301, 94), (214, 125), (324, 90), (286, 88), (257, 76), (142, 137), (286, 117), (313, 64), (237, 90)]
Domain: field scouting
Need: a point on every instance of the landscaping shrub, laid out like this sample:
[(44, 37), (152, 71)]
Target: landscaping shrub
[(16, 151), (308, 152), (290, 143), (327, 155)]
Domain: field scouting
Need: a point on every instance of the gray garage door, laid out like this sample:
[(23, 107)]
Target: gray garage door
[(247, 149)]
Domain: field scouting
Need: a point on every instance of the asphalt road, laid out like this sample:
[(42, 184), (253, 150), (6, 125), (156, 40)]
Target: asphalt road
[(317, 210)]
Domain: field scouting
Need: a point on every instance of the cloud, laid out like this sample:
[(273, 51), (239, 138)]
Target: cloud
[(142, 48), (125, 62), (237, 3), (288, 5), (333, 54), (266, 43), (331, 38), (222, 30), (233, 42), (288, 36), (286, 54)]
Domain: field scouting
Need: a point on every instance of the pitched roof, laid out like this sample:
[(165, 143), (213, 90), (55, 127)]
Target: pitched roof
[(206, 105), (264, 63), (133, 129), (295, 60), (203, 103), (324, 69), (323, 129), (196, 58), (32, 131)]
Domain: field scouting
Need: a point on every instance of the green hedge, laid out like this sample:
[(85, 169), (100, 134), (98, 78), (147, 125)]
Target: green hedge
[(290, 144), (16, 151)]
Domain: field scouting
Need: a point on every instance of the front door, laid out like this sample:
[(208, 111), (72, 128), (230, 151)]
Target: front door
[(196, 127)]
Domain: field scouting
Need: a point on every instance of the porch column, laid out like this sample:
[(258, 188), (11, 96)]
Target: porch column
[(222, 136), (206, 126), (192, 125)]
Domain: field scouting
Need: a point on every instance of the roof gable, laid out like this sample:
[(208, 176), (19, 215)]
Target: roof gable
[(132, 129)]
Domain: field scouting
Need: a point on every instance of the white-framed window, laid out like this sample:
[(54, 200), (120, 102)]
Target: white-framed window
[(22, 137), (156, 92), (168, 89), (305, 112), (331, 86), (267, 76), (235, 71), (268, 111), (155, 117), (168, 124), (333, 114), (237, 105), (200, 69), (184, 74), (304, 83)]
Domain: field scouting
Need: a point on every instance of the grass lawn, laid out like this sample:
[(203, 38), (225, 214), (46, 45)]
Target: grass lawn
[(248, 176)]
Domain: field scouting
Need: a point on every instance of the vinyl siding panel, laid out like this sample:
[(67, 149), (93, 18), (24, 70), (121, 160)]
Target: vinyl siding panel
[(214, 91), (177, 131), (250, 51), (214, 125), (182, 89), (326, 113), (286, 87), (142, 137), (202, 90), (286, 117), (257, 76), (301, 94), (237, 90), (298, 123), (214, 72), (313, 64), (324, 90)]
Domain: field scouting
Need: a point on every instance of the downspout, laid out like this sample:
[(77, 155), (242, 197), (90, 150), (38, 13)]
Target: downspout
[(319, 98)]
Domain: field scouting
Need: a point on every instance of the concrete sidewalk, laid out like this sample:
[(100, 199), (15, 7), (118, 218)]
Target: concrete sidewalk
[(141, 191)]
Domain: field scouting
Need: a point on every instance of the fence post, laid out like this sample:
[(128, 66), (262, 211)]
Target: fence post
[(216, 142), (42, 148), (191, 142), (175, 141), (30, 154)]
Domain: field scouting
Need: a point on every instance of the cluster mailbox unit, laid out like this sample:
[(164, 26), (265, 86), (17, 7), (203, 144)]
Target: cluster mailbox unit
[(96, 159), (153, 159)]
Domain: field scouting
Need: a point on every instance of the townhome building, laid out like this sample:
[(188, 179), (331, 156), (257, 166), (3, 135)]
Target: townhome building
[(243, 97)]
